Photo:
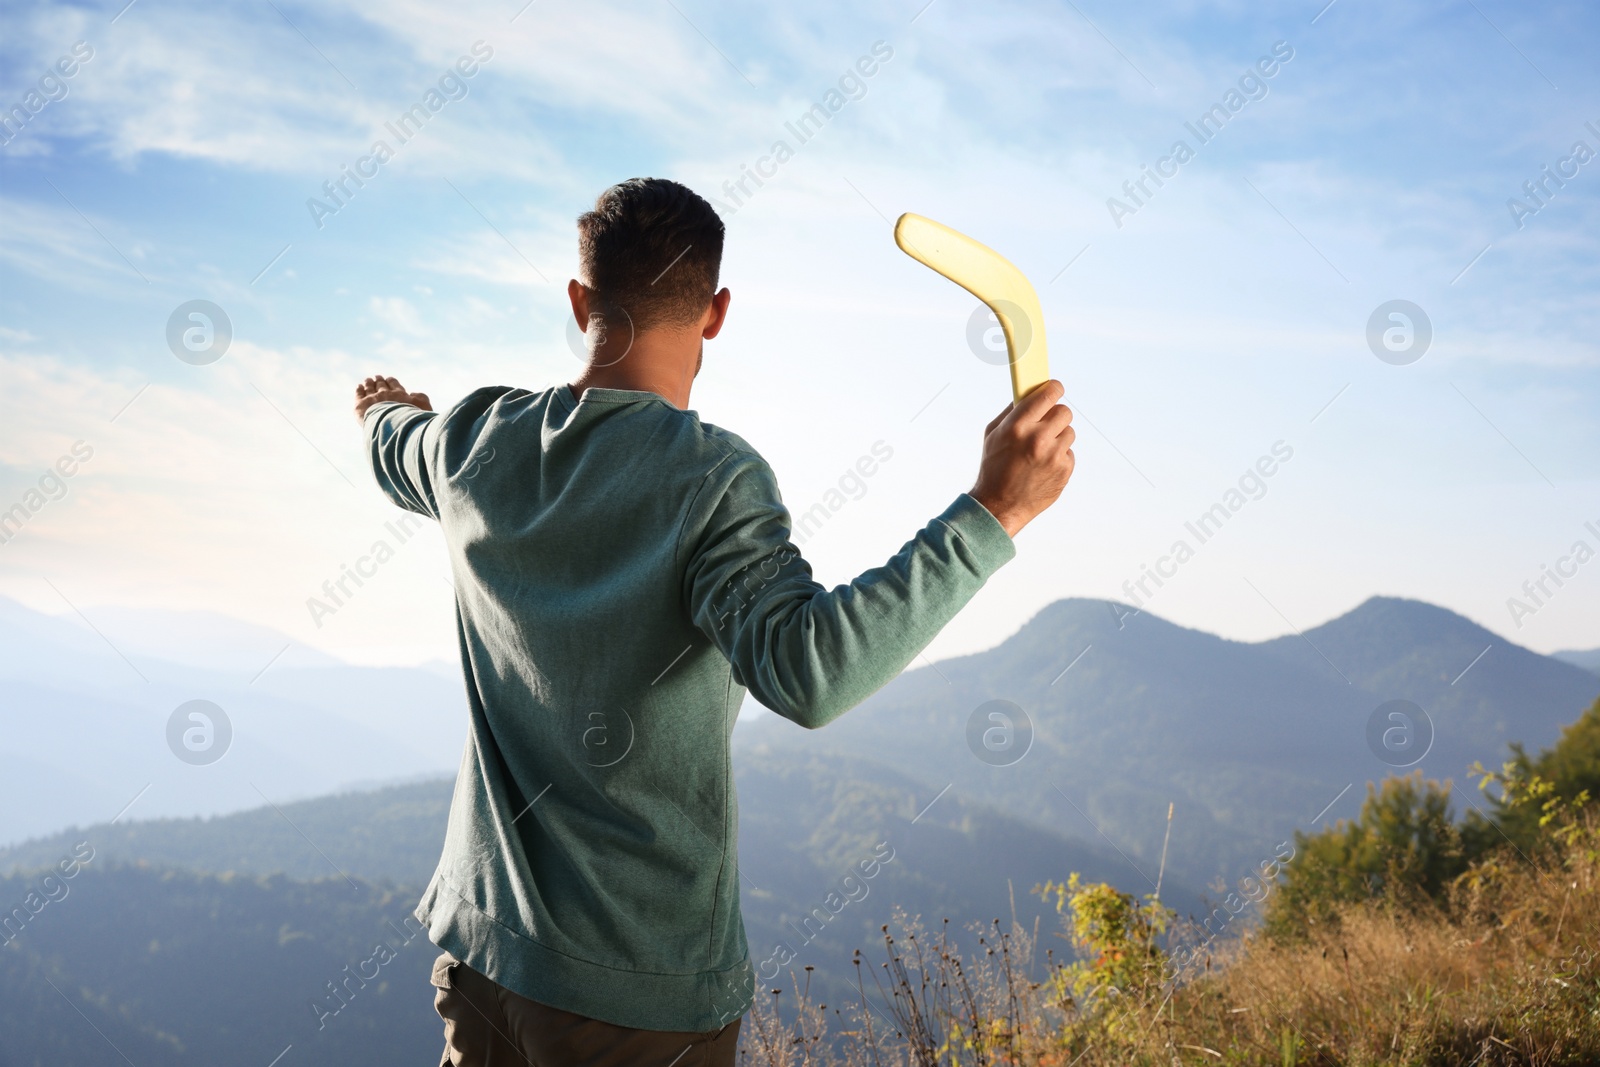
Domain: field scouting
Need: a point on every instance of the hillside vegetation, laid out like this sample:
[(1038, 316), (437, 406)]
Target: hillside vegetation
[(1401, 937)]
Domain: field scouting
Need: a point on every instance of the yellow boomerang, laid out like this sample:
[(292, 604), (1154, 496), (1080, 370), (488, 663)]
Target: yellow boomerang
[(993, 279)]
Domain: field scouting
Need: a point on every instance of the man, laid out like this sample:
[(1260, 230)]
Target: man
[(623, 575)]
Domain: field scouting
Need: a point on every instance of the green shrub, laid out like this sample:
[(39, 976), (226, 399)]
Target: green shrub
[(1404, 847)]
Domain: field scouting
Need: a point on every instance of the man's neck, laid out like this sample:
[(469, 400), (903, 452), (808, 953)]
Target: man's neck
[(664, 365)]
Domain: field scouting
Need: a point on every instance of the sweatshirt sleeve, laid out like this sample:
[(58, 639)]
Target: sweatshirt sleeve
[(810, 653), (401, 442)]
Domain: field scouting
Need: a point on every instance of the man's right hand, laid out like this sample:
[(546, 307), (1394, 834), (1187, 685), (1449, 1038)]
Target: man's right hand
[(1027, 457)]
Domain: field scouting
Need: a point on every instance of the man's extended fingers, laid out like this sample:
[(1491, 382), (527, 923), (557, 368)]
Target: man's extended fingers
[(378, 383)]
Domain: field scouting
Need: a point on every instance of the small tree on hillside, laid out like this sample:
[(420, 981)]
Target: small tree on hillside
[(1120, 969), (1404, 846)]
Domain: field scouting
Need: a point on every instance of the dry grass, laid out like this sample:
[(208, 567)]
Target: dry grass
[(1505, 971), (926, 1003)]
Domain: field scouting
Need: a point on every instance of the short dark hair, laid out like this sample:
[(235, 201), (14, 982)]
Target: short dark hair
[(652, 248)]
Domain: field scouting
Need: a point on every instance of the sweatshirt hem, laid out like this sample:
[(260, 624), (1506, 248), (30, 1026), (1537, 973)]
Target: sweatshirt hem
[(695, 1002)]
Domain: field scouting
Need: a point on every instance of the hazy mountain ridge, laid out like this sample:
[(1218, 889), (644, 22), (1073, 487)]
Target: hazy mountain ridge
[(390, 836), (1249, 740), (1587, 659), (304, 724), (1469, 679), (803, 823), (182, 968)]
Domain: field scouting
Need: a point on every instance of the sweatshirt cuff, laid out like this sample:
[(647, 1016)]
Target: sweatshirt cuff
[(377, 409), (375, 414), (981, 532)]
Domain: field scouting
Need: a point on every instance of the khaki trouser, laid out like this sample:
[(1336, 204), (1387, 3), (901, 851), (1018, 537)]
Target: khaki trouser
[(487, 1025)]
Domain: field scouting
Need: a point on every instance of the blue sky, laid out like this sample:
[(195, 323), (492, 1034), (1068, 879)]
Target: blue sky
[(1227, 314)]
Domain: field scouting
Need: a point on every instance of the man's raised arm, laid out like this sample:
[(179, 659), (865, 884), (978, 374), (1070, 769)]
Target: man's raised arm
[(811, 654)]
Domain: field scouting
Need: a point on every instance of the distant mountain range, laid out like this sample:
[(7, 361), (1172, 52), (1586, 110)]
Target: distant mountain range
[(1589, 661), (86, 728), (1250, 741), (193, 940)]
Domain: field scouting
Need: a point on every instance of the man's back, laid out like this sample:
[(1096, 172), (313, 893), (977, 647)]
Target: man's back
[(623, 572), (594, 815)]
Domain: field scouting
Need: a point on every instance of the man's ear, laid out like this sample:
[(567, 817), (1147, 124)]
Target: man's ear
[(716, 314), (579, 296)]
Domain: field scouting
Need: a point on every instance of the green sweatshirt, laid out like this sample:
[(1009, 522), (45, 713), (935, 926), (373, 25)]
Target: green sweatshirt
[(623, 574)]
